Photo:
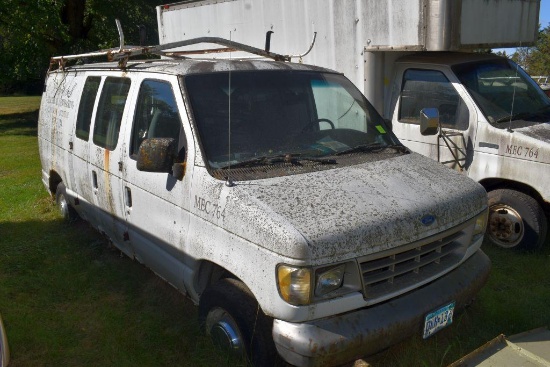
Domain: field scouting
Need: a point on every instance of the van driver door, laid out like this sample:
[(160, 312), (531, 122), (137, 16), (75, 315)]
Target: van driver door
[(156, 203)]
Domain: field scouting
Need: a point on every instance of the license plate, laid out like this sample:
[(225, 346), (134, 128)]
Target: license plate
[(438, 319)]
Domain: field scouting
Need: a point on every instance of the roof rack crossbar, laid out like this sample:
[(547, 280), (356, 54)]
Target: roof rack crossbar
[(129, 51), (123, 52), (236, 46)]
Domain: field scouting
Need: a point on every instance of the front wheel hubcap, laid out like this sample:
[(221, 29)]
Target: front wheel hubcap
[(224, 331), (505, 226)]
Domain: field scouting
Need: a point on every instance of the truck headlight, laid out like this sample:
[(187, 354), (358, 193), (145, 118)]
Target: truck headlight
[(294, 284), (329, 280), (480, 225)]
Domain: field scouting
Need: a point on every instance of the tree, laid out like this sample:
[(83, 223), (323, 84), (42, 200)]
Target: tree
[(32, 31), (536, 60), (539, 63)]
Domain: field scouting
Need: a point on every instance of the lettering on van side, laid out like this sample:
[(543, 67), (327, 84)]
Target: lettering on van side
[(521, 151), (61, 102), (211, 209)]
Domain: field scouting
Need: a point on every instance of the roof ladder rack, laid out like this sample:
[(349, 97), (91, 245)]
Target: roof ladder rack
[(123, 53)]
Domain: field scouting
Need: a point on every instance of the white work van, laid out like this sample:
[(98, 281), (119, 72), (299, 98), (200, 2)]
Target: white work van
[(271, 193), (407, 55)]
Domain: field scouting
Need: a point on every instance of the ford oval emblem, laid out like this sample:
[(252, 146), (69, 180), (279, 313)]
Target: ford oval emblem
[(428, 220)]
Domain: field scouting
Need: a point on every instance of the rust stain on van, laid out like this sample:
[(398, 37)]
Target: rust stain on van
[(107, 180), (106, 160)]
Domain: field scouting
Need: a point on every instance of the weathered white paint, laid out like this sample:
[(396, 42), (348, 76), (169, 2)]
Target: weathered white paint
[(347, 28)]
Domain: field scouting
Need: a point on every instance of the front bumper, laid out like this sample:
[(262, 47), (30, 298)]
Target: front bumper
[(343, 338)]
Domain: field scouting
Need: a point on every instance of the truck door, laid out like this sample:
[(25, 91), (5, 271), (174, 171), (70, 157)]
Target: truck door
[(105, 160), (429, 88), (157, 204), (80, 181)]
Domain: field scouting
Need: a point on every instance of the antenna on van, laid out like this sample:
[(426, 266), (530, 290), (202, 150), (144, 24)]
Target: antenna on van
[(228, 181), (513, 98), (308, 51)]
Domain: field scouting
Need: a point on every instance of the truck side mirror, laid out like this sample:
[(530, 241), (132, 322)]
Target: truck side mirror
[(157, 155), (429, 121)]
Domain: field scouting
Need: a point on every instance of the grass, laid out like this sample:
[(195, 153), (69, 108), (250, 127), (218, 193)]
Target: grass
[(69, 299), (66, 297)]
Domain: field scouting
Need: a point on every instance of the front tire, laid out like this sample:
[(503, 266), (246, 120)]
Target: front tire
[(232, 317), (516, 220), (63, 205)]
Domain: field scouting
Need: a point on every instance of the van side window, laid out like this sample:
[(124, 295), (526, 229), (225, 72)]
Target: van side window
[(109, 112), (86, 106), (428, 89), (156, 115)]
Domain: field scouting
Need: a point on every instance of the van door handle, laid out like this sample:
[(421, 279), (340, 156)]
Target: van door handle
[(94, 180), (128, 196), (71, 145)]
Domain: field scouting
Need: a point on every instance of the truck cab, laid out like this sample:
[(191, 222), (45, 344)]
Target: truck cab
[(493, 128)]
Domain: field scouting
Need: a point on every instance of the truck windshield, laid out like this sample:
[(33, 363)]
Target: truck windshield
[(262, 117), (504, 92)]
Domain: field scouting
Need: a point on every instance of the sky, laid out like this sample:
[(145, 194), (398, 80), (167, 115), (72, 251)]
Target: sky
[(544, 17)]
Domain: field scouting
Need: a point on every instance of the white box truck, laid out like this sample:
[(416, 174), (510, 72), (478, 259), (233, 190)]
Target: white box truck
[(406, 55)]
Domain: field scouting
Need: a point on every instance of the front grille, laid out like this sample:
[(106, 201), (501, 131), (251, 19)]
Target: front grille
[(404, 268)]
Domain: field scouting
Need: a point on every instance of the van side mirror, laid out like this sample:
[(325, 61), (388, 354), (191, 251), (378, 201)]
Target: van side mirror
[(157, 155), (429, 121)]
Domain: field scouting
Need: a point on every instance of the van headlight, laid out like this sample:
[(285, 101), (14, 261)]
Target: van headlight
[(303, 285), (294, 284), (328, 280), (480, 225)]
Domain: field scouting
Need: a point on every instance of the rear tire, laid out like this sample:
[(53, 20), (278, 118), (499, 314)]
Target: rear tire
[(230, 314), (516, 220), (62, 201)]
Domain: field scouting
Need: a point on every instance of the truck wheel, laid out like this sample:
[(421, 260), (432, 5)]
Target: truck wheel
[(231, 316), (516, 220), (66, 210)]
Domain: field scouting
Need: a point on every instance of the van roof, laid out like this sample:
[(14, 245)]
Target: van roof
[(197, 66)]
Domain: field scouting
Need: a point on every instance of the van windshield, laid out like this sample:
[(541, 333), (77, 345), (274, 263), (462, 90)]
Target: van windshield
[(250, 118), (504, 92)]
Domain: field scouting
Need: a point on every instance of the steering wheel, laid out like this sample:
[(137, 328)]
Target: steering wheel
[(308, 126)]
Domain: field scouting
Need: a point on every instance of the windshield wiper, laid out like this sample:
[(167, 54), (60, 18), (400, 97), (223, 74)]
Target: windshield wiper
[(376, 147), (516, 116), (315, 159), (400, 148), (277, 158), (523, 115)]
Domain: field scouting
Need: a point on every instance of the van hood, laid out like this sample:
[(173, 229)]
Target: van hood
[(351, 211), (539, 132)]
